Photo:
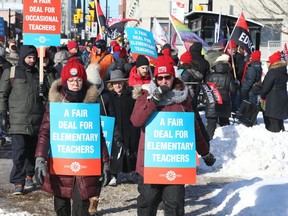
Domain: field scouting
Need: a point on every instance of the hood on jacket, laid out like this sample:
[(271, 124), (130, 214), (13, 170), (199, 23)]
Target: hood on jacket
[(55, 94), (178, 94), (196, 47), (26, 50)]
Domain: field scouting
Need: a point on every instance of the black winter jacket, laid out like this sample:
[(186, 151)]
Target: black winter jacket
[(221, 76), (274, 90)]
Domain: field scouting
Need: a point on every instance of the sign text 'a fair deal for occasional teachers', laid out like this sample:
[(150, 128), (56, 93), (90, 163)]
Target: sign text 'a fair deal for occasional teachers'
[(42, 22), (170, 153), (75, 139)]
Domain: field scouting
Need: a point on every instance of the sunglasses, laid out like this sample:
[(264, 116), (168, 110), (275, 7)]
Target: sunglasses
[(160, 78)]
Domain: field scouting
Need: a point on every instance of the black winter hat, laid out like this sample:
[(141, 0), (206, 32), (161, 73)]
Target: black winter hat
[(196, 46), (141, 60)]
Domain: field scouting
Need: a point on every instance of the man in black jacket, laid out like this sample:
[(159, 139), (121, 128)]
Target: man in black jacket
[(20, 98)]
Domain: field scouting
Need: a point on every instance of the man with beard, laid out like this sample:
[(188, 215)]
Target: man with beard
[(20, 98)]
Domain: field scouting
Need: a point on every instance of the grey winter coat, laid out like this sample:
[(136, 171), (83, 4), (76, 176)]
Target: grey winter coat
[(20, 97)]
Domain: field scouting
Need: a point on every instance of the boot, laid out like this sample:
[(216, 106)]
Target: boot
[(93, 205)]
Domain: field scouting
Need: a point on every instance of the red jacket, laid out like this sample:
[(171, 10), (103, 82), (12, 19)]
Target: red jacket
[(135, 79), (144, 108), (62, 185)]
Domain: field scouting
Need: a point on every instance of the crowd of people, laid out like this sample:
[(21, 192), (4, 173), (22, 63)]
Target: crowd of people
[(130, 91)]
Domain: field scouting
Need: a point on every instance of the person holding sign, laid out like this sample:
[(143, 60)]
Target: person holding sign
[(168, 94), (20, 98), (72, 88)]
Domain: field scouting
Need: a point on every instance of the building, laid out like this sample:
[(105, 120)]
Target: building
[(145, 11)]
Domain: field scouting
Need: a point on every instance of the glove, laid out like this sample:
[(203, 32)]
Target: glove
[(158, 93), (106, 175), (262, 104), (237, 84), (42, 89), (40, 170), (4, 121), (209, 159)]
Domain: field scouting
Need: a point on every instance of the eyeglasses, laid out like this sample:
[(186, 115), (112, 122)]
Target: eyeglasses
[(167, 77), (73, 82)]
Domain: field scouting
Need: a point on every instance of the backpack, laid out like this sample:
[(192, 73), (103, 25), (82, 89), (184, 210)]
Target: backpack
[(120, 65)]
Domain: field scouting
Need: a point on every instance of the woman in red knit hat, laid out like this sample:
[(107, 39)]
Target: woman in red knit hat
[(274, 97), (167, 94), (72, 87)]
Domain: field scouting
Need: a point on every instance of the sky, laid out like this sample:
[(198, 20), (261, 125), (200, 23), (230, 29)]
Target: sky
[(258, 161)]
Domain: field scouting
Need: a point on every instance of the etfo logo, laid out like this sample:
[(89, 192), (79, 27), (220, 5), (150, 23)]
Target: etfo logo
[(171, 175), (75, 167)]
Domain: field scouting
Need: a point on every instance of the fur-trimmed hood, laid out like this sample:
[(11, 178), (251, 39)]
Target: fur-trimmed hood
[(278, 64), (178, 94), (55, 94)]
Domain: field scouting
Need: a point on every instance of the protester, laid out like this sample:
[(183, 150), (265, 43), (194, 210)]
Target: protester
[(168, 94), (20, 98), (72, 88), (221, 77), (60, 60), (106, 109), (139, 74), (124, 103), (274, 98), (239, 60), (217, 49), (50, 74), (12, 56), (86, 55), (4, 64), (101, 55), (252, 74)]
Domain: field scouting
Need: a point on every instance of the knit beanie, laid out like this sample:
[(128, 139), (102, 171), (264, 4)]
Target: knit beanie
[(275, 57), (186, 57), (256, 55), (72, 44), (73, 68), (164, 65), (93, 75), (141, 60)]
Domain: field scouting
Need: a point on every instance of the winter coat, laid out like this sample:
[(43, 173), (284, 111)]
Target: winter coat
[(198, 58), (274, 90), (253, 75), (124, 104), (212, 55), (13, 57), (104, 63), (221, 76), (239, 60), (62, 185), (135, 79), (177, 100), (21, 98)]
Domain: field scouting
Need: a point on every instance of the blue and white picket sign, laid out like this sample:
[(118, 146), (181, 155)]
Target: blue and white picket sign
[(107, 124)]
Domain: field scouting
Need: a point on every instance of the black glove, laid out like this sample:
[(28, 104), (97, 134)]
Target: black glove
[(4, 121), (42, 89), (237, 84), (209, 159), (40, 170), (158, 93), (106, 175)]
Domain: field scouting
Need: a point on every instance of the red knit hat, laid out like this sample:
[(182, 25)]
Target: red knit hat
[(256, 55), (186, 57), (164, 65), (73, 68), (72, 44), (275, 57)]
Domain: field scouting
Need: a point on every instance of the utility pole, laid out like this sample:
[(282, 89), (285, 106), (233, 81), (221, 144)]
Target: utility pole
[(9, 24)]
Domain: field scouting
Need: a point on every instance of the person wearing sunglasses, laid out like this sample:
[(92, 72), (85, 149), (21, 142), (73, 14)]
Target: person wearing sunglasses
[(167, 94), (101, 55)]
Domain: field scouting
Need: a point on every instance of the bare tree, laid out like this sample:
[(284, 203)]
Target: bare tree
[(272, 12)]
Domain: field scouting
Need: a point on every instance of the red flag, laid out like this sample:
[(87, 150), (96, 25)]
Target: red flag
[(241, 34), (101, 19)]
